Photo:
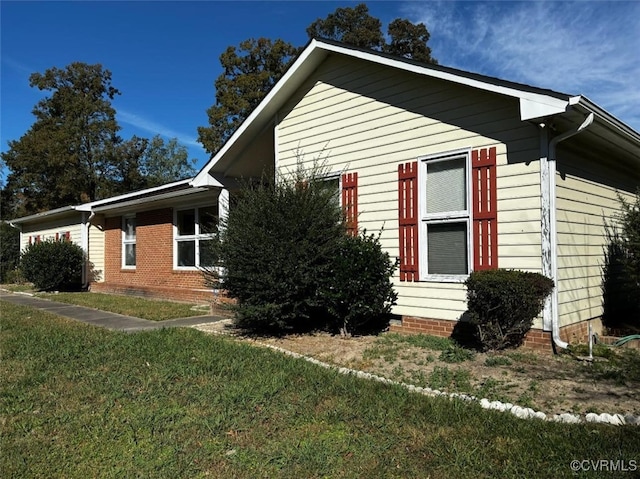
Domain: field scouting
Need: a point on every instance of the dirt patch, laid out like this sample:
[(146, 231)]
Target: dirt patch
[(545, 382)]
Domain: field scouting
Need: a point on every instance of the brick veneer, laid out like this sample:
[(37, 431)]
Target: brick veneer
[(153, 275), (535, 339)]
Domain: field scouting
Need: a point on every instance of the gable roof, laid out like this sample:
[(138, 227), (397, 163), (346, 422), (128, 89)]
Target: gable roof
[(536, 104)]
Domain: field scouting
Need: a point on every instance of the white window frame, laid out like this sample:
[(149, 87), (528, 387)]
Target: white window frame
[(463, 216), (126, 241), (196, 237), (335, 176)]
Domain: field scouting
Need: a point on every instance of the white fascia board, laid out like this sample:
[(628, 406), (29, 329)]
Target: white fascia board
[(44, 214), (142, 201), (203, 177), (134, 194), (206, 180), (533, 109)]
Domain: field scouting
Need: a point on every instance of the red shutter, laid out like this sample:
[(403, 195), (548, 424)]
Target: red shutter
[(485, 211), (408, 220), (57, 236), (30, 240), (350, 201), (67, 236), (37, 238)]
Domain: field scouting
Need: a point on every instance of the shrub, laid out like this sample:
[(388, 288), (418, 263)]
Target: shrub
[(359, 294), (621, 269), (503, 304), (9, 251), (53, 265), (277, 246)]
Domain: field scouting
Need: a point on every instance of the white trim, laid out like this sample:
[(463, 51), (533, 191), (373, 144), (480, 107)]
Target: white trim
[(425, 218), (196, 237), (124, 242)]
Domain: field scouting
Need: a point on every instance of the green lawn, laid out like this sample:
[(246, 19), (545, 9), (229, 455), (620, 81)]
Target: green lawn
[(154, 310), (77, 401)]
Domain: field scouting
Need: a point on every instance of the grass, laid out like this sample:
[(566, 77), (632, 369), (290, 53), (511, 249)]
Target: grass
[(154, 310), (78, 401)]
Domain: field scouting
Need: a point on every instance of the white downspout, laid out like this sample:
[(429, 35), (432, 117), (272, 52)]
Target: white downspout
[(553, 230), (85, 247)]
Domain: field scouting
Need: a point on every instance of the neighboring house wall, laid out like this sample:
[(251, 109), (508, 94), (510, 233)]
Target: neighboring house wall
[(364, 118), (153, 274), (587, 196)]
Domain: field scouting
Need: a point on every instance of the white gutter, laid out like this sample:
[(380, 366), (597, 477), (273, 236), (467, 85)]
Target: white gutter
[(553, 230)]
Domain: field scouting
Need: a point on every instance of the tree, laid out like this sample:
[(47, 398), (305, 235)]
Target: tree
[(68, 153), (409, 40), (73, 154), (250, 71), (165, 162), (353, 26)]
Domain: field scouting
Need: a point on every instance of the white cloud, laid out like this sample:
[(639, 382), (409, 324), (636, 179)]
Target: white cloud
[(153, 127), (587, 48)]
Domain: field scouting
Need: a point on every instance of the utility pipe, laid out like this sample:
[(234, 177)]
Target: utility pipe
[(85, 247), (553, 230)]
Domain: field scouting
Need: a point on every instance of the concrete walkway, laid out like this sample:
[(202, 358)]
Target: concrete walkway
[(103, 319)]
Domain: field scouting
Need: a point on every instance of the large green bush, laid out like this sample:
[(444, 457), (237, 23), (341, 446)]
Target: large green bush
[(502, 305), (9, 251), (359, 293), (276, 247), (53, 265), (621, 269), (287, 261)]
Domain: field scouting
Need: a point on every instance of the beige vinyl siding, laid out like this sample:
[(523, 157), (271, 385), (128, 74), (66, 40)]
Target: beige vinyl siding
[(48, 230), (96, 249), (355, 116), (586, 196)]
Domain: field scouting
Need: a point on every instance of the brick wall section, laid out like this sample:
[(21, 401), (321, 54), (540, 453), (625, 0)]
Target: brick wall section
[(153, 275), (535, 339)]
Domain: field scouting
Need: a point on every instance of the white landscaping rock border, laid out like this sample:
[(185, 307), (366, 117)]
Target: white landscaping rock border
[(520, 412)]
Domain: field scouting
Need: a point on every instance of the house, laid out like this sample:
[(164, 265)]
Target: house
[(146, 243), (459, 171)]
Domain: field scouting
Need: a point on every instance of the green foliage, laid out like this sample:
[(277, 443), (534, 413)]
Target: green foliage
[(290, 265), (456, 354), (503, 303), (359, 293), (353, 26), (250, 71), (277, 246), (9, 251), (254, 67), (72, 153), (621, 269), (410, 41), (53, 265), (177, 403)]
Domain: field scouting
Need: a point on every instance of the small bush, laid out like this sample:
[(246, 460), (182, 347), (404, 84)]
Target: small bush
[(359, 294), (621, 269), (9, 252), (503, 304), (53, 265)]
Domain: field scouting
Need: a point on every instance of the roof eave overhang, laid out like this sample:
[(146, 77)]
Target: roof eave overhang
[(535, 104)]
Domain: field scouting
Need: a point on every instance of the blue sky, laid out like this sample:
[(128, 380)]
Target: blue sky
[(164, 55)]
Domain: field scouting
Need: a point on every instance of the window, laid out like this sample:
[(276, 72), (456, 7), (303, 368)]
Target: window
[(444, 216), (129, 242), (194, 229)]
